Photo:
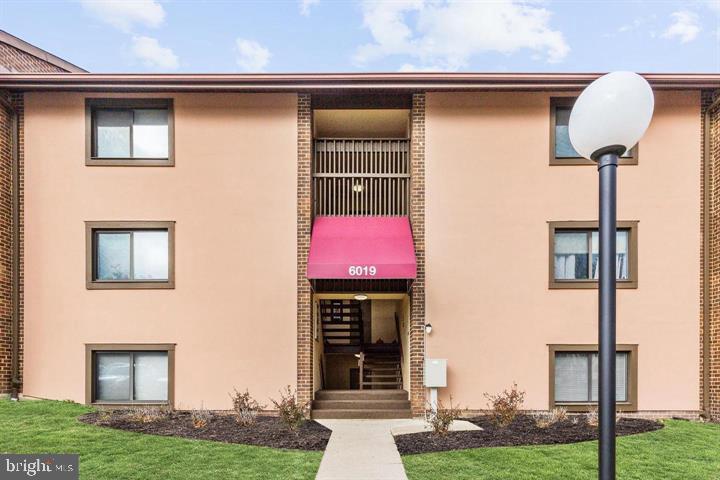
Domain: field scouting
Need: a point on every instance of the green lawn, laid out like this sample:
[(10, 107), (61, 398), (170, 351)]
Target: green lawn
[(52, 427), (681, 450)]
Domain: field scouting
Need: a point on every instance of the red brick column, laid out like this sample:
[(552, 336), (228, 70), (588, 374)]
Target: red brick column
[(417, 219), (713, 366), (5, 251), (6, 229), (304, 219)]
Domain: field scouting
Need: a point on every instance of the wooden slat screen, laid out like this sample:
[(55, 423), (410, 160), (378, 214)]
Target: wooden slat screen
[(361, 177)]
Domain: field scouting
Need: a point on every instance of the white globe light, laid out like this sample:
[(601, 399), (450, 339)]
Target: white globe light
[(613, 111)]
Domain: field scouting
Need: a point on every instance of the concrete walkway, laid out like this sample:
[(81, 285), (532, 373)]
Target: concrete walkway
[(365, 449), (361, 450)]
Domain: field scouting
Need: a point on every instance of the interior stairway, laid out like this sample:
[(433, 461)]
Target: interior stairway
[(342, 326), (361, 404), (382, 370)]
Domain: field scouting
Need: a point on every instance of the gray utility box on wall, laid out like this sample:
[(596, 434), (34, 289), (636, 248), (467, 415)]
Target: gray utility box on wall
[(435, 372)]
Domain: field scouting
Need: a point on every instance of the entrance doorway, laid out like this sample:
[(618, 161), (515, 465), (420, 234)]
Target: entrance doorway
[(361, 344), (361, 356)]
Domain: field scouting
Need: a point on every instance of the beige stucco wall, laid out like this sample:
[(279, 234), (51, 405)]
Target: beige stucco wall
[(233, 196), (489, 195), (383, 320), (490, 192)]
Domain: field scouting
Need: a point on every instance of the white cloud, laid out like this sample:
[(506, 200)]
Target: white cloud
[(305, 6), (124, 14), (153, 55), (685, 26), (409, 67), (634, 25), (447, 33), (251, 56)]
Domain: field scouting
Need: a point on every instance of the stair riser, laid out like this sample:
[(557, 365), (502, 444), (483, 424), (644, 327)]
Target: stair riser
[(362, 395), (361, 414), (361, 404)]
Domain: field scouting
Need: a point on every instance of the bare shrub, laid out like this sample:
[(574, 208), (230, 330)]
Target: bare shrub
[(104, 416), (506, 405), (200, 418), (246, 407), (441, 418), (148, 414), (292, 413), (547, 419), (591, 417)]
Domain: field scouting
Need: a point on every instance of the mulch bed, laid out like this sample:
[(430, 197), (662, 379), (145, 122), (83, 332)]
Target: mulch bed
[(522, 431), (268, 431)]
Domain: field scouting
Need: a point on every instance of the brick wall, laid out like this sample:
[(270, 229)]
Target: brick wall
[(5, 265), (304, 224), (15, 60), (417, 220), (18, 101), (646, 414), (6, 239), (714, 260)]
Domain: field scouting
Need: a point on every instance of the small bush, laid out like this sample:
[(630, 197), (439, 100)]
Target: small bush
[(506, 405), (200, 418), (292, 413), (547, 419), (441, 418), (104, 416), (246, 407), (591, 417), (148, 414)]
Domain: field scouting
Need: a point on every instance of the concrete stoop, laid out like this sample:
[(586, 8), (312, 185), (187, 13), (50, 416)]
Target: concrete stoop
[(361, 404)]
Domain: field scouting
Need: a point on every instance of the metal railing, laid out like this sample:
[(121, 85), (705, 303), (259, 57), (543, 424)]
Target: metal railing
[(361, 176)]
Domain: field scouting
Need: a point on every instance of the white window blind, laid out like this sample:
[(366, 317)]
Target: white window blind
[(576, 377)]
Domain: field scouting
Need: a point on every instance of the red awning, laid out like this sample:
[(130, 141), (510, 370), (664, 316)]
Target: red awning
[(361, 247)]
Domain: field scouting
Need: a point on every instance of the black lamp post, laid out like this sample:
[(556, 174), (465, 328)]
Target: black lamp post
[(609, 117)]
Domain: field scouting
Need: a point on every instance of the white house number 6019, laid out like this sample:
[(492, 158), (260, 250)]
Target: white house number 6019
[(362, 270)]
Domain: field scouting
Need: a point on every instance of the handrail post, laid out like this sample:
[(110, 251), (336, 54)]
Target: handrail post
[(361, 361)]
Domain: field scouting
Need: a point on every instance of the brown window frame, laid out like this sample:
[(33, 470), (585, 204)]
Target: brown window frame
[(92, 348), (632, 281), (556, 102), (90, 230), (93, 104), (631, 405)]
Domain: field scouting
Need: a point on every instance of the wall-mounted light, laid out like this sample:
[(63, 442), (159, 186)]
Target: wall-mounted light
[(428, 328), (360, 297)]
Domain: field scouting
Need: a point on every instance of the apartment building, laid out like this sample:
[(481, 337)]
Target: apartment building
[(167, 238)]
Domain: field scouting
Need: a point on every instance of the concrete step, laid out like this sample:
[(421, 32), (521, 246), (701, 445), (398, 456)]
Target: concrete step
[(361, 395), (360, 404), (362, 414), (381, 384)]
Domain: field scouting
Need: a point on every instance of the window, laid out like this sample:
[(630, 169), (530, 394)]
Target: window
[(129, 132), (121, 373), (561, 150), (130, 255), (574, 255), (574, 376)]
